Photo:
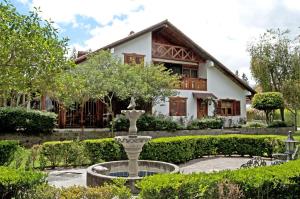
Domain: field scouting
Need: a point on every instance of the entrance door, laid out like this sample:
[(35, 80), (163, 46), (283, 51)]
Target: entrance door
[(201, 108)]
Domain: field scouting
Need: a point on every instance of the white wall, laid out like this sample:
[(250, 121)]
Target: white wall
[(223, 87), (141, 45)]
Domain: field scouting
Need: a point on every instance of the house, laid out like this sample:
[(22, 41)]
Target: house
[(207, 86)]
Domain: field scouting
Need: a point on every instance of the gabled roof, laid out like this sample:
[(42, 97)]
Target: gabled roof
[(192, 44)]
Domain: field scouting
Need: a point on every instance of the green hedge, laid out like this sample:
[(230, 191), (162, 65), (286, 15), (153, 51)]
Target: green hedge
[(14, 182), (172, 149), (31, 122), (148, 123), (282, 181), (206, 123), (7, 150), (277, 123)]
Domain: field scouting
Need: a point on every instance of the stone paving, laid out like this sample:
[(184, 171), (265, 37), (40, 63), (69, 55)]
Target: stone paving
[(69, 177)]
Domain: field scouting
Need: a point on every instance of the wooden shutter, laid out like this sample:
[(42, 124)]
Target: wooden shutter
[(177, 106), (237, 107), (219, 106), (233, 109)]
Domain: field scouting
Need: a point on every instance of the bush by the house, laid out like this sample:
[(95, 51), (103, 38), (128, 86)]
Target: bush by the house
[(206, 123), (7, 150), (276, 182), (277, 123), (255, 124), (172, 149), (107, 191), (28, 121), (147, 123), (14, 183)]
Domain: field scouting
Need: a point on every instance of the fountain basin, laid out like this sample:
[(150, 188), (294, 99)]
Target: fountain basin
[(100, 173)]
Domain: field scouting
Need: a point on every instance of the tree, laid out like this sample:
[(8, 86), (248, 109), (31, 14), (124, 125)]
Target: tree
[(103, 77), (31, 55), (245, 78), (268, 102), (237, 73), (273, 59)]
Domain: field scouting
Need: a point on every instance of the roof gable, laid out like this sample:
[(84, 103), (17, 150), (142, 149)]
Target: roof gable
[(185, 40)]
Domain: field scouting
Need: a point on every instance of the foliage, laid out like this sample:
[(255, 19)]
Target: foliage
[(64, 153), (206, 123), (14, 183), (7, 150), (255, 124), (254, 114), (104, 150), (268, 102), (276, 182), (107, 191), (148, 123), (277, 123), (289, 117), (29, 121), (31, 55), (275, 61)]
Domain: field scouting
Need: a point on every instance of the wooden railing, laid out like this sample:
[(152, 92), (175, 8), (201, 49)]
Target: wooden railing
[(166, 51), (193, 84)]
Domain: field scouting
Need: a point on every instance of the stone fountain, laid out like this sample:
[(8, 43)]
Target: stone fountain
[(132, 169)]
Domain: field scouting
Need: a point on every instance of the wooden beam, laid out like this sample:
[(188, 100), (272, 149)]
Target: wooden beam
[(174, 61)]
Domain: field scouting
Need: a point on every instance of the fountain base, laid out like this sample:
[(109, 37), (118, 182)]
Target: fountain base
[(100, 173)]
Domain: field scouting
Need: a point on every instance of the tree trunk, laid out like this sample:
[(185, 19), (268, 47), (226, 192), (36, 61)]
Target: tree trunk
[(295, 118), (282, 114), (81, 117)]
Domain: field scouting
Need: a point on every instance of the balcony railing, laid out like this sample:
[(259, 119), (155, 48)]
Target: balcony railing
[(193, 84), (166, 51)]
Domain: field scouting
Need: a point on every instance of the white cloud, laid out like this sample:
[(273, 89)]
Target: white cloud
[(223, 28)]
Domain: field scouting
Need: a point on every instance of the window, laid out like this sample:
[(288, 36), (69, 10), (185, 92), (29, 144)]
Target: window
[(177, 106), (133, 58), (190, 72), (175, 68), (229, 107)]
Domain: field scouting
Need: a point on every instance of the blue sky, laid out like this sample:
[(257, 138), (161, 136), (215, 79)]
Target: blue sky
[(223, 28)]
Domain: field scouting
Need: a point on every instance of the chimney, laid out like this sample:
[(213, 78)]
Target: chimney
[(81, 53), (131, 32)]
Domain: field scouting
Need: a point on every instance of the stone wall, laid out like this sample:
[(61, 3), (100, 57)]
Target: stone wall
[(73, 134)]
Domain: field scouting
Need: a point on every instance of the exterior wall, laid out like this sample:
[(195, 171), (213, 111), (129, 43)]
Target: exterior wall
[(223, 87), (141, 45)]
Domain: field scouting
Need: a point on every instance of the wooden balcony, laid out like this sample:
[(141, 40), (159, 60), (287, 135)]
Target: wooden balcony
[(193, 84), (179, 53)]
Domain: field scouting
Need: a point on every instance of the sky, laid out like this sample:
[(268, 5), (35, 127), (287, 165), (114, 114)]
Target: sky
[(222, 28)]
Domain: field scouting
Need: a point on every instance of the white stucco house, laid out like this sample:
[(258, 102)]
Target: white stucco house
[(207, 88)]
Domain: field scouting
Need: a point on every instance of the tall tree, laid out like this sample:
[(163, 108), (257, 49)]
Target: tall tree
[(31, 54), (244, 77), (272, 62)]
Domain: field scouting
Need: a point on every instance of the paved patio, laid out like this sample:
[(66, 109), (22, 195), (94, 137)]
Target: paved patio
[(69, 177)]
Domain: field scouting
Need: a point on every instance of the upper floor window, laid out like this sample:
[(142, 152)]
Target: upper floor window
[(133, 58), (177, 106), (190, 72)]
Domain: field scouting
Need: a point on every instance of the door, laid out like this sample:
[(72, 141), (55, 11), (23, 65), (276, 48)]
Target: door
[(201, 108)]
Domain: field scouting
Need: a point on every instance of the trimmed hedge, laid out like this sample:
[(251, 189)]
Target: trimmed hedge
[(20, 119), (206, 123), (282, 181), (277, 123), (7, 150), (148, 123), (14, 182), (172, 149)]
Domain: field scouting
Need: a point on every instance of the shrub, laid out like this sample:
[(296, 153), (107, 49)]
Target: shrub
[(64, 153), (104, 150), (15, 182), (7, 150), (173, 149), (276, 182), (31, 122), (268, 102), (107, 191), (147, 123), (206, 123), (277, 123), (255, 124)]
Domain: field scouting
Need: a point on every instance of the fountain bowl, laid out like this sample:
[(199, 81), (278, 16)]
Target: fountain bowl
[(100, 173)]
